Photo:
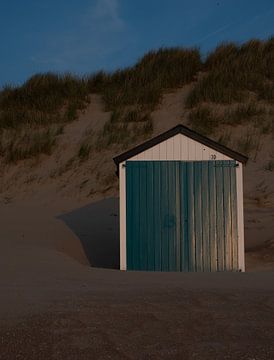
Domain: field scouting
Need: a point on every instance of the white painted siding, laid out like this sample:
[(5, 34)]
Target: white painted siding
[(122, 211), (180, 147), (240, 213)]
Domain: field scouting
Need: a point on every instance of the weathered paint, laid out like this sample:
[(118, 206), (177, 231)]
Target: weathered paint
[(180, 147), (182, 216), (212, 216), (240, 216), (122, 216), (187, 149)]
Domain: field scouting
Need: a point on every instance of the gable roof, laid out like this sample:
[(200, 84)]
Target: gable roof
[(179, 129)]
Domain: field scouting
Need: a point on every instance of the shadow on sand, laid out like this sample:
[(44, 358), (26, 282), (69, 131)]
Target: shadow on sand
[(97, 227)]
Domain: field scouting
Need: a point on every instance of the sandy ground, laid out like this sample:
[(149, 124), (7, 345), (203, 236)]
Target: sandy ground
[(54, 305), (132, 316)]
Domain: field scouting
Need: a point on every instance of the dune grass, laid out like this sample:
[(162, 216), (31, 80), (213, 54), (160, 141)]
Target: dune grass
[(249, 143), (234, 70), (230, 73), (51, 98), (230, 70), (124, 133), (28, 144), (266, 92), (225, 138), (144, 83), (42, 100), (84, 151), (270, 165), (131, 94), (203, 120), (243, 113)]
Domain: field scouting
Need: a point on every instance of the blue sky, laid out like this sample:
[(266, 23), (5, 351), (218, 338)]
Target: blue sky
[(84, 36)]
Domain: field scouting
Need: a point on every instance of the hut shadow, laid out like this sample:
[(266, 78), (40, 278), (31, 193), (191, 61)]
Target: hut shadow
[(97, 227)]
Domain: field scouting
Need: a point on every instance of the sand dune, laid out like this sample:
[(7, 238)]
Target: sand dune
[(60, 295)]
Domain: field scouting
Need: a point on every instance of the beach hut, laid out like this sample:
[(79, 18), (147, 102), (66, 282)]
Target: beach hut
[(181, 204)]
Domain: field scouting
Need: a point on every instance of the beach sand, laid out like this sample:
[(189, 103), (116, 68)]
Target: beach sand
[(61, 295), (55, 305)]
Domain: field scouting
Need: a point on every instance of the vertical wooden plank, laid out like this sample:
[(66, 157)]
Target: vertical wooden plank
[(171, 220), (178, 216), (240, 217), (212, 215), (206, 153), (227, 216), (163, 150), (133, 215), (137, 216), (142, 155), (191, 216), (170, 149), (177, 147), (156, 152), (191, 150), (123, 216), (234, 218), (157, 214), (184, 240), (184, 147), (129, 211), (150, 217), (198, 214), (143, 240), (220, 214), (198, 151), (148, 155), (206, 249), (164, 217)]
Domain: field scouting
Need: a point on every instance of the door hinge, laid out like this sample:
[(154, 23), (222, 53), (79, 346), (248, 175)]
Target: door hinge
[(226, 165)]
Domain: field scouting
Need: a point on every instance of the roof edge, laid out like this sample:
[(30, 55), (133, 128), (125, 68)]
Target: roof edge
[(180, 129)]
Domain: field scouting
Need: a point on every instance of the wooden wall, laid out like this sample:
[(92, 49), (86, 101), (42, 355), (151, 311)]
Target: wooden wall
[(180, 147)]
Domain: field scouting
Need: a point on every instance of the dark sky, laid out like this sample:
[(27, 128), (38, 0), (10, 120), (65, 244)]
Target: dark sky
[(84, 36)]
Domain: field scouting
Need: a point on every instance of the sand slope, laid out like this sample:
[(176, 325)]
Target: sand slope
[(36, 193), (58, 216), (53, 305), (61, 183)]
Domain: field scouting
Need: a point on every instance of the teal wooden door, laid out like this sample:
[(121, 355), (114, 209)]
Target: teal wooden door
[(181, 216)]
